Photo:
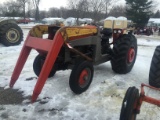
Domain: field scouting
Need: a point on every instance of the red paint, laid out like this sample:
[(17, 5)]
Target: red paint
[(82, 80), (50, 47), (131, 55), (148, 99), (49, 62)]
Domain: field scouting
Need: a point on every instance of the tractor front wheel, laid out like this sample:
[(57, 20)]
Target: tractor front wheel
[(38, 64), (81, 77), (124, 54), (154, 73), (128, 110)]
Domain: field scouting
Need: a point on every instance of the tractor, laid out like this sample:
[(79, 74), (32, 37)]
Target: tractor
[(78, 48), (10, 33)]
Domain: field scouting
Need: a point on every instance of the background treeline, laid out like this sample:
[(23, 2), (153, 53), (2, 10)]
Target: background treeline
[(95, 9)]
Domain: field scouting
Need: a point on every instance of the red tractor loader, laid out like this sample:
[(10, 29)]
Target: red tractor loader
[(77, 48)]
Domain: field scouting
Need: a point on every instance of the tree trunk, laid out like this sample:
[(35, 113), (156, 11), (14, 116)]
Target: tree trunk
[(37, 13)]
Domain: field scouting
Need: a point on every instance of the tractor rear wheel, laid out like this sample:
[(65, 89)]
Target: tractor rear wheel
[(38, 64), (154, 74), (128, 110), (124, 54), (81, 77), (10, 34)]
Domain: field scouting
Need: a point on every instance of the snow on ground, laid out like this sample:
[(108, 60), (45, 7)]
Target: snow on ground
[(102, 101)]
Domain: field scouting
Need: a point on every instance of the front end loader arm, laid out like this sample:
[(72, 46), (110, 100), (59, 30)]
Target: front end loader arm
[(51, 47)]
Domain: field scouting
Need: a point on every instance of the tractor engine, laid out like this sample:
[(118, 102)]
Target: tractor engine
[(106, 34)]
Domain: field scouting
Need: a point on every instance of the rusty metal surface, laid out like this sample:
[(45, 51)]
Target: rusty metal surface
[(39, 30), (75, 31)]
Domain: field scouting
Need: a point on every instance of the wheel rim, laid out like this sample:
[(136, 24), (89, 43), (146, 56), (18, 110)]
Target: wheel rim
[(12, 35), (85, 77), (131, 55)]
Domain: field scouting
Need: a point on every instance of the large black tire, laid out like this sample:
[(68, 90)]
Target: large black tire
[(10, 34), (130, 101), (154, 73), (38, 64), (81, 76), (124, 54)]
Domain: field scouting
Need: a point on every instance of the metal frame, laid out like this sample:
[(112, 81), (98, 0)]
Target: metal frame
[(62, 36), (144, 98), (57, 38)]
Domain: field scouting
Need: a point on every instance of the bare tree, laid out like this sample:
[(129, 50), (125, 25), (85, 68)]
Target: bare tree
[(117, 11), (78, 8), (43, 14), (83, 7), (12, 9), (36, 5), (63, 12), (2, 9), (30, 9), (108, 5), (22, 4), (97, 7), (54, 12)]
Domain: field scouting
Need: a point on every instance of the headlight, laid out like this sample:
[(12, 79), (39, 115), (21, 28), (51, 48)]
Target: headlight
[(115, 31), (119, 31)]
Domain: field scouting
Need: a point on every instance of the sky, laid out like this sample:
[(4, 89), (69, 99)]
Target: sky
[(45, 4)]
